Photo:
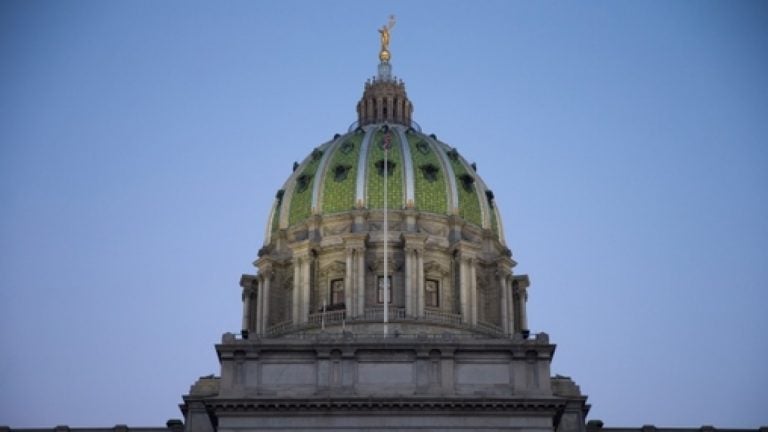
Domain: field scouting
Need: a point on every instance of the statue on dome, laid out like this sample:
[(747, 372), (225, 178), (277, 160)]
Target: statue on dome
[(384, 31)]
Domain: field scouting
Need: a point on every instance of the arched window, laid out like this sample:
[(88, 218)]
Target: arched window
[(337, 291)]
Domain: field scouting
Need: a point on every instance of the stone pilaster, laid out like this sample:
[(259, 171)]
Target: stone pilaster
[(296, 300), (264, 279), (413, 244), (467, 254), (510, 304), (349, 272), (472, 265), (503, 277), (301, 282), (409, 279), (355, 273), (420, 281)]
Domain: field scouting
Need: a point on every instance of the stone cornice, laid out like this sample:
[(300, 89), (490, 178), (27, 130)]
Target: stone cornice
[(540, 344), (544, 406), (248, 281), (522, 281)]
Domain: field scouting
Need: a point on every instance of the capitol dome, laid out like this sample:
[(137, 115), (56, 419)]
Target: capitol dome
[(346, 173), (328, 255)]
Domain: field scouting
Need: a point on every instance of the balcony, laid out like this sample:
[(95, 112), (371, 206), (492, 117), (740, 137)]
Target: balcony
[(321, 320)]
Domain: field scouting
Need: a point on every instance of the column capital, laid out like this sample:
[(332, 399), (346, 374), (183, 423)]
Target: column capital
[(248, 281), (264, 264), (301, 249), (521, 281), (355, 240), (414, 240), (505, 262)]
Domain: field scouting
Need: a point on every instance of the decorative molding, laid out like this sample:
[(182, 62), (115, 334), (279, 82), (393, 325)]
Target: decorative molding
[(379, 404)]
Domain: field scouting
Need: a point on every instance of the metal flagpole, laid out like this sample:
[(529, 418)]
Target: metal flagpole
[(386, 274)]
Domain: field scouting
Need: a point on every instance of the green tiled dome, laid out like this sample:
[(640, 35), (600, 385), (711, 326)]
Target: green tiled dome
[(347, 173)]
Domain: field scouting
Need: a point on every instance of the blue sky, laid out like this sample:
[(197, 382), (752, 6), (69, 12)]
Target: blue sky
[(141, 145)]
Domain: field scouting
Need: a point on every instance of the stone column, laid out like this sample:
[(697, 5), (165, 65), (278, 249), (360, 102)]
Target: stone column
[(265, 301), (360, 281), (520, 285), (473, 290), (464, 291), (504, 303), (420, 281), (249, 283), (348, 278), (355, 271), (246, 308), (413, 245), (296, 305), (523, 306), (510, 305), (306, 280), (259, 307), (409, 278)]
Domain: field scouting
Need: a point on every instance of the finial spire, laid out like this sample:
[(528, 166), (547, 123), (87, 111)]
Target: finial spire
[(384, 55), (384, 98)]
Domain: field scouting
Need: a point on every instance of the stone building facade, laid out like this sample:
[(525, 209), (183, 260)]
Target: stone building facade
[(317, 353)]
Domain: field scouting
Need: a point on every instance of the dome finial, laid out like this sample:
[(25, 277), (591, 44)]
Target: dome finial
[(384, 55)]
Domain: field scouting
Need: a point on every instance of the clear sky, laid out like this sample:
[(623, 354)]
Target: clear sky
[(141, 145)]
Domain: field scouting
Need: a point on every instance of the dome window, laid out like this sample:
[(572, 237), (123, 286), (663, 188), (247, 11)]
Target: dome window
[(430, 171), (453, 154), (317, 154), (302, 183), (467, 181), (489, 195), (340, 172), (380, 167), (347, 147), (422, 147)]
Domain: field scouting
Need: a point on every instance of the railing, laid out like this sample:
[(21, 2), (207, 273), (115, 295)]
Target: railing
[(442, 317), (376, 314), (332, 317)]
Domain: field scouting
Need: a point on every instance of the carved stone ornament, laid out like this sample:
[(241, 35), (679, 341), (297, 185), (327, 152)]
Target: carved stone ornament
[(434, 268), (336, 229), (434, 229), (379, 226), (378, 266), (335, 267)]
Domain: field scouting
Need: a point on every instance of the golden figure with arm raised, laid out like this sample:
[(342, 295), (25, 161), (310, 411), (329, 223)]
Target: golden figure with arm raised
[(384, 31)]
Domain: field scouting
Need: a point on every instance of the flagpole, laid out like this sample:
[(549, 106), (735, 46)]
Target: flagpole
[(386, 274)]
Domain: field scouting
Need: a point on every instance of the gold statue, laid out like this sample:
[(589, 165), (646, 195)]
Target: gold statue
[(384, 30)]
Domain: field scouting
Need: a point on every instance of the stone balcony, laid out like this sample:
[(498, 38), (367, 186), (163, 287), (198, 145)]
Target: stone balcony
[(337, 321)]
